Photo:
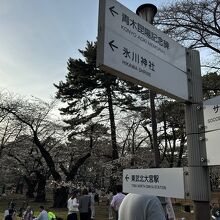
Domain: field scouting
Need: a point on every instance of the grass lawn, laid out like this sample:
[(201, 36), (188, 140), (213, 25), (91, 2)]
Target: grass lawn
[(101, 209)]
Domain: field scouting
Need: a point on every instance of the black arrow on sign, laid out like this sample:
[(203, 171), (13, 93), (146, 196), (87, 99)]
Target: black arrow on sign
[(127, 177), (112, 45), (113, 11)]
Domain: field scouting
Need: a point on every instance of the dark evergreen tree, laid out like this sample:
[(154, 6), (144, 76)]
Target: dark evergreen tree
[(92, 95), (172, 138)]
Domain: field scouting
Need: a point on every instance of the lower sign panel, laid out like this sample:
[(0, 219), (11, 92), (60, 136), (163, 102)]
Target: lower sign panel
[(122, 58), (167, 182)]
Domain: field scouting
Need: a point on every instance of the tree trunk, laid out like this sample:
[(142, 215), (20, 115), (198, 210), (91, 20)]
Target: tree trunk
[(70, 176), (182, 141), (149, 135), (165, 134), (173, 149), (30, 187), (112, 122), (47, 157), (41, 184), (60, 197), (19, 186)]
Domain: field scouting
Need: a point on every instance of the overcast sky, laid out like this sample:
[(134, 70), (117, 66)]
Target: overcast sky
[(38, 36)]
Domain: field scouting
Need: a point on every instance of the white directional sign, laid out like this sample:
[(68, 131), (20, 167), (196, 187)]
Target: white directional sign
[(212, 117), (167, 182), (133, 49), (213, 101), (211, 109)]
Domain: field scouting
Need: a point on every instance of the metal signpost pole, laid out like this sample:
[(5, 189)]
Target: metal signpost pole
[(136, 51), (198, 171), (199, 176), (147, 12)]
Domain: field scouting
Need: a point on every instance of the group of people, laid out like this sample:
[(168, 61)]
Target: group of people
[(141, 207), (136, 207), (85, 205), (9, 213), (147, 207), (124, 207), (28, 214)]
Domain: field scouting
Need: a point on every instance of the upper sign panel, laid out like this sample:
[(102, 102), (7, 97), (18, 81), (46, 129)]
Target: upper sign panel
[(133, 49), (130, 26)]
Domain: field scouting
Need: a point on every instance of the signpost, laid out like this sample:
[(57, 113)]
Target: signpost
[(211, 110), (167, 182), (136, 51)]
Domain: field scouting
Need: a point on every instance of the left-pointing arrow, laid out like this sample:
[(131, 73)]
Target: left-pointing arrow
[(113, 11), (127, 177), (111, 44)]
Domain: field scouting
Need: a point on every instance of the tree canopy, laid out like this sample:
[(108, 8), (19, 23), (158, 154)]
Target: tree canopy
[(195, 24), (91, 95)]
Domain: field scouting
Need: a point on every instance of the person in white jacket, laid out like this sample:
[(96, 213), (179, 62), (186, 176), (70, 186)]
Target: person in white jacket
[(92, 196), (43, 214), (72, 205)]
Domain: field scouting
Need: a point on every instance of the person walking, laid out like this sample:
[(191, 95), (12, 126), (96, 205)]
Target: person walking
[(28, 214), (51, 215), (169, 209), (72, 206), (11, 215), (11, 206), (109, 196), (43, 214), (215, 211), (141, 207), (85, 205), (92, 197), (117, 200)]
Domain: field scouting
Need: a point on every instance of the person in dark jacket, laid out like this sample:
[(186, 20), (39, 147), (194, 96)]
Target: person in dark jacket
[(85, 205), (10, 215)]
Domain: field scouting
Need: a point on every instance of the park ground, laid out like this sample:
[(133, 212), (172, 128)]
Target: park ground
[(101, 209)]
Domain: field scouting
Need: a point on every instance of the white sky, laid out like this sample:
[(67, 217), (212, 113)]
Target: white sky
[(38, 36)]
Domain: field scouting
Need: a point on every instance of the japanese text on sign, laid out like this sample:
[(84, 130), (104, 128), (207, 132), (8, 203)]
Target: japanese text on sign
[(135, 57), (217, 118), (145, 178), (144, 31), (137, 62)]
